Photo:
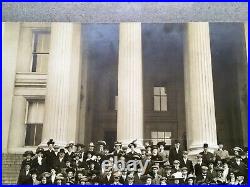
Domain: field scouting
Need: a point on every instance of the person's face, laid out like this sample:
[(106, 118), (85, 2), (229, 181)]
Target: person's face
[(236, 152), (176, 181), (199, 159), (132, 147), (61, 155), (111, 159), (161, 147), (149, 157), (185, 155), (28, 157), (219, 173), (34, 176), (130, 179), (184, 172), (77, 158), (44, 180), (220, 146), (53, 171), (50, 146), (91, 148), (70, 174), (149, 181), (232, 175), (154, 151), (119, 165), (225, 165), (190, 181), (163, 182), (92, 165), (40, 154), (238, 159), (70, 149), (124, 172), (101, 147), (176, 165), (155, 170), (68, 164), (89, 155), (211, 166), (177, 145), (59, 181), (83, 182), (240, 178), (204, 171), (27, 167), (116, 178), (79, 175), (205, 149), (56, 149)]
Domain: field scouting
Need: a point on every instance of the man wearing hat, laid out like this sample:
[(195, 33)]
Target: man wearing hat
[(175, 152), (70, 175), (116, 176), (102, 144), (80, 149), (204, 178), (206, 155), (155, 175), (131, 179), (185, 162), (118, 149), (191, 179), (50, 154), (219, 179), (239, 165), (175, 179), (77, 164), (60, 161), (198, 165), (70, 151)]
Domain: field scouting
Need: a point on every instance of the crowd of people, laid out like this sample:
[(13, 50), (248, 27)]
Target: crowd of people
[(148, 164)]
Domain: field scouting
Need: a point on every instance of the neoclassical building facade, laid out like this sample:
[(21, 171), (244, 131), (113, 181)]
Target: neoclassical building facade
[(150, 82)]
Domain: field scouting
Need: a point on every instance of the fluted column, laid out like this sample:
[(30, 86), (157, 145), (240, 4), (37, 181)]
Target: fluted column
[(199, 94), (62, 99), (130, 95), (10, 43)]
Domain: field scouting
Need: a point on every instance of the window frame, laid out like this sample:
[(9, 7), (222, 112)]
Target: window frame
[(35, 33), (160, 96)]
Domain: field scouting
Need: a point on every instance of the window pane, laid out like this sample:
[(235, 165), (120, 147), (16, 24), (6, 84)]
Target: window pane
[(38, 136), (163, 103), (157, 103), (153, 135), (168, 141), (29, 139), (157, 90), (160, 134), (43, 42), (41, 63), (167, 135), (35, 112), (163, 91)]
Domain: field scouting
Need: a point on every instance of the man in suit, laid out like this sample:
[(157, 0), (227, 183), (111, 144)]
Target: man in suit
[(107, 178), (60, 161), (50, 154), (204, 178), (198, 165), (39, 163), (185, 162), (175, 152), (206, 155), (222, 153)]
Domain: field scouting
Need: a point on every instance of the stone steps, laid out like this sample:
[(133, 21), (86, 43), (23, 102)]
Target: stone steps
[(11, 164)]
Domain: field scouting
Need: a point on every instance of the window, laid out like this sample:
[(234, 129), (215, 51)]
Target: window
[(160, 99), (40, 52), (158, 136), (34, 122)]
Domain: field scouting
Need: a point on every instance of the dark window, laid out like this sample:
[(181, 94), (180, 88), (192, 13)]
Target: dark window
[(160, 99), (40, 52)]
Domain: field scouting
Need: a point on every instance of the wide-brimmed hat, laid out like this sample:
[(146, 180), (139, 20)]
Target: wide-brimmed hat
[(132, 144), (59, 176), (39, 150), (61, 151), (46, 174), (26, 153), (161, 143), (101, 142), (91, 144), (79, 145), (237, 149), (118, 143), (204, 167), (51, 141), (191, 176)]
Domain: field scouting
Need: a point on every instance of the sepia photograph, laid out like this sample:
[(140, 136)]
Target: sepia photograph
[(125, 93)]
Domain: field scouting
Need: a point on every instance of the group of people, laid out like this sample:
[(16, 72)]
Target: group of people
[(132, 164)]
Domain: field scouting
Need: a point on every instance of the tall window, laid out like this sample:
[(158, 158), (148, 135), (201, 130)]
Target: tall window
[(40, 52), (160, 99), (160, 136), (34, 122)]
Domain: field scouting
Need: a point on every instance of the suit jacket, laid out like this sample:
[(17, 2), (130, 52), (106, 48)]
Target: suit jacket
[(197, 169), (122, 180), (206, 157), (40, 168), (23, 178), (188, 164), (59, 165), (104, 179), (50, 157), (201, 180), (173, 155)]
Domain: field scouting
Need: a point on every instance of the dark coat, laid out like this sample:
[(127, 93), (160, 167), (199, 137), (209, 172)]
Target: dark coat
[(197, 169), (207, 157), (40, 168), (23, 178), (173, 155), (188, 164)]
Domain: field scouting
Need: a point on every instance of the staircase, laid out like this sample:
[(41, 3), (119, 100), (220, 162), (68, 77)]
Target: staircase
[(11, 164)]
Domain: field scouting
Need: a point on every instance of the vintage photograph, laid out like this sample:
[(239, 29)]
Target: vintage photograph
[(115, 98)]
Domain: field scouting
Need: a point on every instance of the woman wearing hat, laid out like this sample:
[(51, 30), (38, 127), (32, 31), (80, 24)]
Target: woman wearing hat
[(162, 152), (50, 154), (34, 175), (39, 163), (191, 179), (60, 179), (27, 158), (60, 161), (132, 153)]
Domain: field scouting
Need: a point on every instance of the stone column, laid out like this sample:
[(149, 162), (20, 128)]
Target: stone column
[(63, 85), (130, 93), (246, 37), (199, 94), (10, 39)]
